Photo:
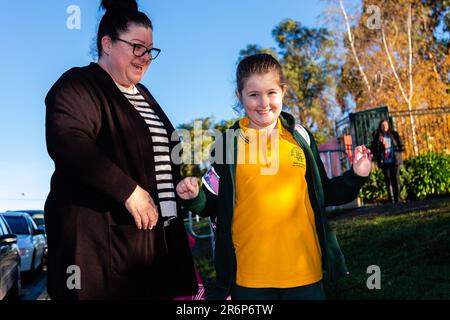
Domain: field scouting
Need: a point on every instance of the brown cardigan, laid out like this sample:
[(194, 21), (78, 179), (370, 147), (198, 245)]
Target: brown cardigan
[(102, 149)]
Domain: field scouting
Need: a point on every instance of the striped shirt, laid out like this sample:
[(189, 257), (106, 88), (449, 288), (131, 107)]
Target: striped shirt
[(161, 151)]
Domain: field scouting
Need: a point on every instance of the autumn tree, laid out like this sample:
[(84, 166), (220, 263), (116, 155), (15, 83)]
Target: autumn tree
[(394, 57), (387, 59)]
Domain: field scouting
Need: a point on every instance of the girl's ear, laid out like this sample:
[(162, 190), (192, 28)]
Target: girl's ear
[(284, 88), (238, 95)]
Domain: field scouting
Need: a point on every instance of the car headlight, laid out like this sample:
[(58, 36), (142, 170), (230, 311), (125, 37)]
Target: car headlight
[(24, 252)]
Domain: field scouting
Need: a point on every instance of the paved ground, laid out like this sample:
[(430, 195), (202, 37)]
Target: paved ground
[(391, 209), (35, 289)]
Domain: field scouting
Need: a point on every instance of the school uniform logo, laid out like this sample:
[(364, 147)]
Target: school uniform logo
[(298, 158)]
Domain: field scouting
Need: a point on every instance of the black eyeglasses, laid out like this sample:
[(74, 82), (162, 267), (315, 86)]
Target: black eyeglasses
[(139, 50)]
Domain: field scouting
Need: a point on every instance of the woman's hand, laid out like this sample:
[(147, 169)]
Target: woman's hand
[(362, 161), (188, 188), (141, 206)]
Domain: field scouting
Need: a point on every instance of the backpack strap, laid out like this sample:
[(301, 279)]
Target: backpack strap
[(302, 131)]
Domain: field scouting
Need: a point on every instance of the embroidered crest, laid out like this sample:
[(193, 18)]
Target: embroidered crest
[(298, 157)]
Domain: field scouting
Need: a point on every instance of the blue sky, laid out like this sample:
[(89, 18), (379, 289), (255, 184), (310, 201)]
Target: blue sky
[(193, 77)]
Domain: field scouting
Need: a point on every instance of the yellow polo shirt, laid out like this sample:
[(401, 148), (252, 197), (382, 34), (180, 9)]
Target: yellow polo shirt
[(274, 233)]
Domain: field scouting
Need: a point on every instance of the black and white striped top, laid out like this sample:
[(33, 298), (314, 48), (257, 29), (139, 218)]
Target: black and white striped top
[(161, 150)]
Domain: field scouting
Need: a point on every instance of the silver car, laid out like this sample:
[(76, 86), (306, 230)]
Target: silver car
[(30, 239)]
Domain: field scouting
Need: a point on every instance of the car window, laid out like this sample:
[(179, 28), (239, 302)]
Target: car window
[(39, 221), (18, 225), (6, 227), (3, 229)]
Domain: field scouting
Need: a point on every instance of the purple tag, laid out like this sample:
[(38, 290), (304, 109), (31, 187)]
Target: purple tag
[(211, 181)]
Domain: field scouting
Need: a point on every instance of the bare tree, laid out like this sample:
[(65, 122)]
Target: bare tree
[(407, 98), (352, 45)]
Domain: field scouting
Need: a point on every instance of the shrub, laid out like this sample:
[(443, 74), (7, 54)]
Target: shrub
[(374, 190), (430, 175), (425, 176)]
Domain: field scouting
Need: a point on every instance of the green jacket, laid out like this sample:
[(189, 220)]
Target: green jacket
[(322, 192)]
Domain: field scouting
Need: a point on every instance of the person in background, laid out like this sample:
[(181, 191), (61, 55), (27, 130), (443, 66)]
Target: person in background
[(387, 147), (112, 217), (273, 241)]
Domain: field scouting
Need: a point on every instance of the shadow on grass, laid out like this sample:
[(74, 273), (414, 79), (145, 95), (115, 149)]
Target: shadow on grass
[(412, 251)]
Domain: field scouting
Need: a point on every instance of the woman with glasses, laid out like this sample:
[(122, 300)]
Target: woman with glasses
[(113, 222)]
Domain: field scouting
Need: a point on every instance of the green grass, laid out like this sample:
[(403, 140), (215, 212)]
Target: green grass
[(412, 250)]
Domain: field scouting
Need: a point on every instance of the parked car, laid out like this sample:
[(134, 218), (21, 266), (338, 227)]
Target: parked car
[(10, 280), (37, 215), (30, 239)]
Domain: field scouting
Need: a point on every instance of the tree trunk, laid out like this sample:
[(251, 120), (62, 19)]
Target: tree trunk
[(408, 99), (352, 45)]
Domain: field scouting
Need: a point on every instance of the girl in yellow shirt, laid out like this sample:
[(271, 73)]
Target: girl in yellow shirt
[(273, 240)]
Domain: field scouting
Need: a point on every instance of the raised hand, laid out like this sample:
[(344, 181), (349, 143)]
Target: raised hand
[(141, 206), (362, 161), (188, 188)]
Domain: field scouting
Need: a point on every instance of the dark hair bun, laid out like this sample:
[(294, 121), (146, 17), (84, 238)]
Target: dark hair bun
[(119, 5)]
